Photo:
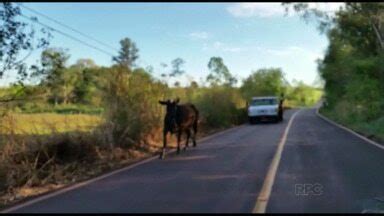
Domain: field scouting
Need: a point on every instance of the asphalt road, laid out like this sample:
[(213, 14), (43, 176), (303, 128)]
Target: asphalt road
[(343, 173), (225, 173)]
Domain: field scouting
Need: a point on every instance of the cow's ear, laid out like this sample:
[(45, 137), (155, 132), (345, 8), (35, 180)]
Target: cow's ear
[(162, 102), (177, 100)]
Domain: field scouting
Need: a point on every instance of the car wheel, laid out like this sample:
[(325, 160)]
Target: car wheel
[(251, 120), (277, 119)]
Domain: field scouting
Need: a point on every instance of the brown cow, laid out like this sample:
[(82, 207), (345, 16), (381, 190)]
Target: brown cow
[(178, 119)]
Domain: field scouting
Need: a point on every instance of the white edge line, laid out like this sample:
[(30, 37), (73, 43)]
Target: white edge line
[(349, 130), (265, 193), (77, 185)]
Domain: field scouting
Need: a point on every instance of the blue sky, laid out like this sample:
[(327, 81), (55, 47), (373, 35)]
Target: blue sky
[(248, 36)]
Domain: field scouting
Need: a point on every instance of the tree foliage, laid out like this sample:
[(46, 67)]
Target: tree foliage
[(352, 66), (263, 82), (128, 53), (17, 38), (177, 67), (219, 73)]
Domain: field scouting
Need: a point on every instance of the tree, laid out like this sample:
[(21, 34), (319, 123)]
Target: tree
[(177, 84), (128, 53), (16, 39), (194, 85), (219, 73), (176, 67), (354, 13), (52, 73), (307, 13), (267, 81), (352, 66), (85, 86), (303, 94)]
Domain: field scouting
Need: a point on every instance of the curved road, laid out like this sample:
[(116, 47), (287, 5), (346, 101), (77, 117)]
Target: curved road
[(322, 169)]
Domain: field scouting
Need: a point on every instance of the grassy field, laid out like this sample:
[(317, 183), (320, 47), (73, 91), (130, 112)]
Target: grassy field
[(46, 123)]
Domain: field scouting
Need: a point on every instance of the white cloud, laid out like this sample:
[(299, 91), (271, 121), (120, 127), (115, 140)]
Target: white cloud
[(256, 9), (274, 9), (217, 45), (330, 7), (199, 35)]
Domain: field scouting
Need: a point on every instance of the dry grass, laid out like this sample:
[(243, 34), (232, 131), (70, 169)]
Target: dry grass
[(45, 123), (40, 152), (43, 152), (30, 165)]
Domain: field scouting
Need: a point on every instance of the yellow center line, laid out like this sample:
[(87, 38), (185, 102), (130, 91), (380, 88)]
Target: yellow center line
[(262, 199)]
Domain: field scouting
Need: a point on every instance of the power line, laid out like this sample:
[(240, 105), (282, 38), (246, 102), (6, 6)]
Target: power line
[(67, 35), (68, 27)]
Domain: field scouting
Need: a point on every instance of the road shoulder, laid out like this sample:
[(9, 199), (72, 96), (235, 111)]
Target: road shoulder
[(381, 146)]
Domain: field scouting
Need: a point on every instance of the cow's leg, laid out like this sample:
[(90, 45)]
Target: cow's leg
[(162, 155), (188, 131), (178, 141), (194, 133)]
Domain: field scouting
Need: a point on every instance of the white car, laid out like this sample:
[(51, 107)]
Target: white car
[(264, 108)]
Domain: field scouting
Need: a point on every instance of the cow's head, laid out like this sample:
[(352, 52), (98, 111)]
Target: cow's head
[(170, 116)]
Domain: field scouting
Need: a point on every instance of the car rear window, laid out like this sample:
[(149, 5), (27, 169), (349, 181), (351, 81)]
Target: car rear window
[(267, 101)]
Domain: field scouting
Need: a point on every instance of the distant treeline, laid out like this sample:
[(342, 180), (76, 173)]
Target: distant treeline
[(127, 94), (81, 87)]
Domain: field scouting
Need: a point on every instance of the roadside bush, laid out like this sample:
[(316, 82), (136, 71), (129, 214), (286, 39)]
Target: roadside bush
[(132, 108), (219, 107)]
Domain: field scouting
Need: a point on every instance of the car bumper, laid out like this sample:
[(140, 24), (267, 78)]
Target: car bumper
[(264, 118), (263, 115)]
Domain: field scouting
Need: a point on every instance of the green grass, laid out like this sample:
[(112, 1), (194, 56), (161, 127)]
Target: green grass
[(32, 108), (375, 128)]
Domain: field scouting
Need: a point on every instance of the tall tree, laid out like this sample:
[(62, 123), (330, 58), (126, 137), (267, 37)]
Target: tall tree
[(51, 73), (176, 67), (128, 53), (219, 73)]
